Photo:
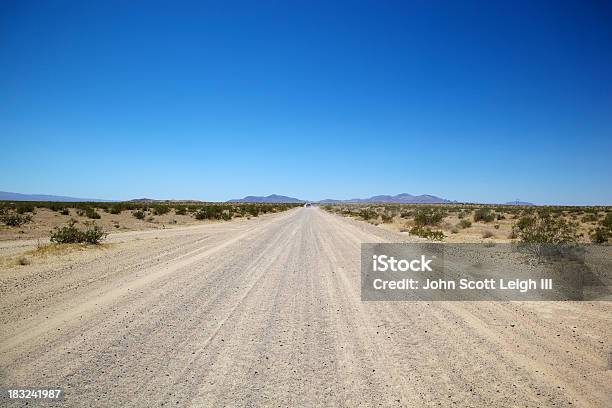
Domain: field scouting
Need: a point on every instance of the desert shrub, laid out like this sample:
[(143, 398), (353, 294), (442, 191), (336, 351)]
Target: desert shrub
[(181, 210), (455, 230), (523, 223), (57, 207), (600, 235), (496, 226), (15, 220), (406, 213), (590, 218), (607, 221), (546, 230), (88, 212), (93, 235), (368, 214), (247, 210), (72, 235), (115, 209), (465, 223), (428, 216), (436, 235), (500, 217), (487, 234), (92, 213), (65, 211), (139, 214), (215, 212), (161, 209), (603, 232), (484, 215), (425, 232), (386, 218), (545, 212), (24, 208)]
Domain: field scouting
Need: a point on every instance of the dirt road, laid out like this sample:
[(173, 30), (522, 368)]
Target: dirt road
[(267, 312)]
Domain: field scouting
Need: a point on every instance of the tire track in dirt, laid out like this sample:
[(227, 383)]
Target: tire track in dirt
[(153, 273)]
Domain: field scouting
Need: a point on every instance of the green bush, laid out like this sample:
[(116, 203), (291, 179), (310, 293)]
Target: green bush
[(24, 208), (368, 214), (139, 214), (524, 222), (58, 207), (406, 213), (600, 235), (424, 232), (181, 210), (15, 220), (484, 215), (92, 213), (211, 212), (428, 216), (72, 235), (386, 218), (115, 209), (546, 230), (607, 221), (465, 223), (161, 209), (88, 212)]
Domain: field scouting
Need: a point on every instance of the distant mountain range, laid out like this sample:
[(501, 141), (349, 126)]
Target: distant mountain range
[(144, 200), (525, 203), (403, 198), (6, 196), (273, 198), (399, 199)]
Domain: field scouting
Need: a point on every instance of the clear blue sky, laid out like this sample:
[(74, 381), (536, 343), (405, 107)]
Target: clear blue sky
[(471, 101)]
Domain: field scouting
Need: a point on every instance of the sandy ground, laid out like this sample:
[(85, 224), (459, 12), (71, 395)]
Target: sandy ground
[(267, 312), (497, 231), (45, 220)]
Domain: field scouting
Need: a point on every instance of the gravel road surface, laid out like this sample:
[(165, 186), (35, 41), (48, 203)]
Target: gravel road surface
[(267, 312)]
